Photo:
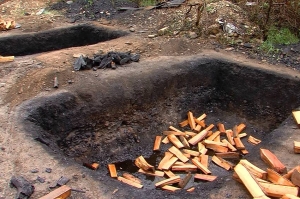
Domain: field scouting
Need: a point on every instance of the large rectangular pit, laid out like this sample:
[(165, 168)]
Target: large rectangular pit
[(115, 118)]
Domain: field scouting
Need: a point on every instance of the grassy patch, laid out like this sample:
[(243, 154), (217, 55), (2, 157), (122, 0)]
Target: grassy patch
[(276, 37)]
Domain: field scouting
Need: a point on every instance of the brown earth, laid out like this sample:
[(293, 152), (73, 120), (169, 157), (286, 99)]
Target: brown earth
[(30, 76)]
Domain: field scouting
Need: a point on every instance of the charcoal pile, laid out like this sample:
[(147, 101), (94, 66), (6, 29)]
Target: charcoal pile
[(109, 60)]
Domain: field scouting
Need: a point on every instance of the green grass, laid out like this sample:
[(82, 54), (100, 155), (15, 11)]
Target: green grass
[(276, 37)]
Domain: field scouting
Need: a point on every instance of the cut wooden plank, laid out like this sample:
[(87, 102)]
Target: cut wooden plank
[(229, 134), (289, 196), (213, 136), (253, 140), (217, 148), (184, 141), (197, 138), (275, 190), (205, 177), (112, 170), (204, 160), (295, 178), (221, 163), (175, 141), (165, 159), (201, 148), (132, 178), (62, 192), (183, 182), (240, 128), (191, 152), (157, 142), (256, 171), (170, 188), (169, 163), (249, 182), (289, 173), (296, 115), (191, 120), (205, 142), (155, 173), (271, 160), (166, 140), (200, 166), (221, 128), (276, 178), (230, 146), (189, 167), (173, 133), (238, 143), (6, 59), (141, 163), (169, 173), (296, 147), (168, 181), (184, 123), (178, 154), (231, 155), (129, 182)]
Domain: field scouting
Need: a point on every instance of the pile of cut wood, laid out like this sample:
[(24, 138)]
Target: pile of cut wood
[(188, 153)]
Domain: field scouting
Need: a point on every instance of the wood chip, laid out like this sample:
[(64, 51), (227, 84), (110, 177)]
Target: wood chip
[(170, 188), (231, 155), (178, 154), (169, 173), (168, 181), (62, 192), (296, 115), (112, 170), (275, 190), (6, 59), (253, 140), (141, 163), (221, 163), (191, 120), (169, 163), (129, 182), (191, 152), (205, 177), (132, 178), (204, 160), (271, 160), (254, 170), (200, 166), (199, 137), (155, 173), (296, 147), (165, 159), (166, 140), (276, 178), (175, 141), (157, 142)]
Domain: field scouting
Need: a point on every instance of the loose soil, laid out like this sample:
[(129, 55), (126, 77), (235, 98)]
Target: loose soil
[(31, 76)]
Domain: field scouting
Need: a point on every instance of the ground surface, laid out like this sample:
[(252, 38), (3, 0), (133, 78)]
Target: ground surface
[(30, 76)]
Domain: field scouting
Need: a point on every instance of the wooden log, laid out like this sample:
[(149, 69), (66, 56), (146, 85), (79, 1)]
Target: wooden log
[(169, 163), (178, 154), (191, 120), (166, 140), (295, 178), (129, 182), (6, 59), (221, 128), (170, 188), (271, 160), (112, 170), (183, 182), (238, 143), (184, 123), (253, 140), (184, 141), (296, 147), (155, 173), (276, 178), (175, 141), (230, 155), (204, 160), (62, 192), (254, 170), (165, 159), (213, 136), (132, 178), (249, 182), (220, 163), (168, 181), (275, 190), (197, 138), (289, 196), (205, 177), (289, 173), (173, 133), (191, 152), (200, 166), (296, 115), (141, 163), (169, 173), (157, 142), (230, 146), (201, 148)]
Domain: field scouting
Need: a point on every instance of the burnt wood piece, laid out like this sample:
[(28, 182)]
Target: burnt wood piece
[(24, 188)]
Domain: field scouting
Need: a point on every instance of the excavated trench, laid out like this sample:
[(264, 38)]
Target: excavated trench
[(115, 118)]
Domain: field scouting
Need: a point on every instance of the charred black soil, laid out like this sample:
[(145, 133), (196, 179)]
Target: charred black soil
[(115, 118)]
